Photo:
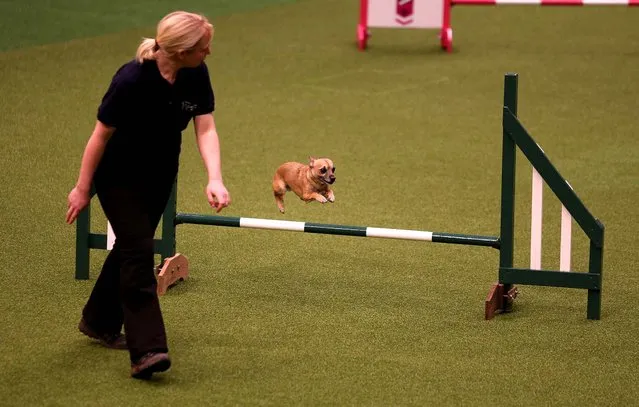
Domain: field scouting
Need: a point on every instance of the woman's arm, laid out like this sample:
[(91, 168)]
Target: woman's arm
[(209, 145), (79, 196)]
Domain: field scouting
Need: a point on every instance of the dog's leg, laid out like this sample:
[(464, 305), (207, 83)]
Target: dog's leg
[(330, 196), (279, 199), (314, 195), (279, 189)]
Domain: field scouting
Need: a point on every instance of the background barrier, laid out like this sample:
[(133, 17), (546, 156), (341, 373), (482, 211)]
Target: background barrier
[(437, 14)]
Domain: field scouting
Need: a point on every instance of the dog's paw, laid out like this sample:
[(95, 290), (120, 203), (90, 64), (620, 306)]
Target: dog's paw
[(322, 199), (331, 199)]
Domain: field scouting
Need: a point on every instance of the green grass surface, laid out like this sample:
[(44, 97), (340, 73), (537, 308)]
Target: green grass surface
[(280, 318), (36, 22)]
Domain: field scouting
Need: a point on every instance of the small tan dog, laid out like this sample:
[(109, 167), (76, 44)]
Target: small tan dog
[(309, 182)]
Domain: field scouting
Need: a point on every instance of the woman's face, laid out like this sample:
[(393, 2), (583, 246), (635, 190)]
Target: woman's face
[(195, 56)]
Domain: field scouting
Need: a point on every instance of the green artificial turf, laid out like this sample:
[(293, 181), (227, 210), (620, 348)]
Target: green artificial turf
[(35, 22), (282, 318)]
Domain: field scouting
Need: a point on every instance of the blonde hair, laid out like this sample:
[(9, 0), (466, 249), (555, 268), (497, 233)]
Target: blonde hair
[(177, 31)]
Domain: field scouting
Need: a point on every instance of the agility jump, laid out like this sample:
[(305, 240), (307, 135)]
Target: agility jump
[(174, 266), (437, 14)]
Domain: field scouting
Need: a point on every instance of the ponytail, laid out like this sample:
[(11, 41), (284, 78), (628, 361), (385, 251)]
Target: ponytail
[(146, 50)]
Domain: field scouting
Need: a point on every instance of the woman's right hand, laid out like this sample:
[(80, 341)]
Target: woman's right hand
[(77, 201)]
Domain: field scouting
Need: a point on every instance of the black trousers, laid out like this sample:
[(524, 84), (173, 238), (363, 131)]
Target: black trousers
[(125, 292)]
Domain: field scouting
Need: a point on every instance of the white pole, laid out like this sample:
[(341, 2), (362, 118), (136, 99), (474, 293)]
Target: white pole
[(110, 236), (566, 239), (536, 220)]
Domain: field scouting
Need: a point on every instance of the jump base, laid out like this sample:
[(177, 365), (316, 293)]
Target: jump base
[(173, 270), (498, 301)]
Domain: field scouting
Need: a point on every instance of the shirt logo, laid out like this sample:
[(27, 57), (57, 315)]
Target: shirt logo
[(188, 107)]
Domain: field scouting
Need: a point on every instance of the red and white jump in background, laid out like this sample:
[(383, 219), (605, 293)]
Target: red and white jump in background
[(436, 14)]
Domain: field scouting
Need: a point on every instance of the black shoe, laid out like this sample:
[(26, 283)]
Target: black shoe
[(150, 363), (112, 341)]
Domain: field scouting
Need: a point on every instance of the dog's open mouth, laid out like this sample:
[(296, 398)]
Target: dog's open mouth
[(329, 181)]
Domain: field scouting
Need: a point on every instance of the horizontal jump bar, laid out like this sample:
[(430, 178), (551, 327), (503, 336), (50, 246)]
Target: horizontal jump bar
[(327, 229), (546, 2)]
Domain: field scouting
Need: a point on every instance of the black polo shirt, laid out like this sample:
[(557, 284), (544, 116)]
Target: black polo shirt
[(149, 115)]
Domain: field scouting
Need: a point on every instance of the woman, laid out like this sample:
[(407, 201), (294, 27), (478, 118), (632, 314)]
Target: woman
[(132, 159)]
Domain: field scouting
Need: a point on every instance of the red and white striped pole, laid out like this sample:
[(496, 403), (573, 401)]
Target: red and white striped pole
[(547, 2), (446, 35)]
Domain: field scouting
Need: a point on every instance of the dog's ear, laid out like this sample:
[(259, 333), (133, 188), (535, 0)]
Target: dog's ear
[(311, 160)]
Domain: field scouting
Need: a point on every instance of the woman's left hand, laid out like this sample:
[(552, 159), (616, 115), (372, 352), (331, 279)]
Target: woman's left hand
[(217, 195)]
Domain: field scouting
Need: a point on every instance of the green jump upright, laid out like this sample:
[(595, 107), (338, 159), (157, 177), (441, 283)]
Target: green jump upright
[(515, 135), (86, 240), (508, 168)]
